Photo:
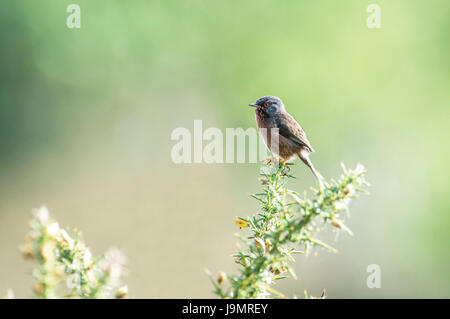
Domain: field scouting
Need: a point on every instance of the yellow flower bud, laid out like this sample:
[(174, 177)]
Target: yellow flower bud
[(28, 252), (260, 243), (222, 277), (47, 251), (277, 270), (38, 289), (268, 245), (122, 292), (336, 223), (241, 223), (349, 190)]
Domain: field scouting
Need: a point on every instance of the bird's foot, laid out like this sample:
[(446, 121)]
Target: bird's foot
[(286, 170), (284, 165)]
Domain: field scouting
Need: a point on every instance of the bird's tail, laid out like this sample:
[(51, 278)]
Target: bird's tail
[(304, 156)]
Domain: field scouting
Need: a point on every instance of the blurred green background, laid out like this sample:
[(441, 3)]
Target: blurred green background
[(86, 117)]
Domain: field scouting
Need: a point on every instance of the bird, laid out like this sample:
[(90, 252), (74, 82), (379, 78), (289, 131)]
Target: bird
[(288, 134)]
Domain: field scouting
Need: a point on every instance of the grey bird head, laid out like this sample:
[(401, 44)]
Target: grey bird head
[(270, 104)]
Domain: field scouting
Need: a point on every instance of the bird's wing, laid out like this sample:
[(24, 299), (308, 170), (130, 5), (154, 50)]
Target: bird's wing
[(290, 129)]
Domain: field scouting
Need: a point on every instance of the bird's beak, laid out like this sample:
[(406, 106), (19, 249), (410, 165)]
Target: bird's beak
[(253, 105)]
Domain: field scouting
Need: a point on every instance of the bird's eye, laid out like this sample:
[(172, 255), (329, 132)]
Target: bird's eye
[(266, 104)]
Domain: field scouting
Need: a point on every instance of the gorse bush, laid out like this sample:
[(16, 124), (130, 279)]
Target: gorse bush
[(66, 268), (286, 226)]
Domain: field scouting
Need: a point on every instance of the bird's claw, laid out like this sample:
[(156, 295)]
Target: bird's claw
[(286, 168)]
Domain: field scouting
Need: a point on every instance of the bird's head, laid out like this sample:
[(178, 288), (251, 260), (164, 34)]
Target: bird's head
[(270, 104)]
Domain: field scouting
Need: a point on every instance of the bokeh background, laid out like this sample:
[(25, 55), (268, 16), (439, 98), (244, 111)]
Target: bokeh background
[(86, 117)]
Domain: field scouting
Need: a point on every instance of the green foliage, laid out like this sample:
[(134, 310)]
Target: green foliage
[(285, 226), (62, 259)]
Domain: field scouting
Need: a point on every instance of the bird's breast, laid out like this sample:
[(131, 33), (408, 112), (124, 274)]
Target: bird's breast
[(264, 120), (265, 123)]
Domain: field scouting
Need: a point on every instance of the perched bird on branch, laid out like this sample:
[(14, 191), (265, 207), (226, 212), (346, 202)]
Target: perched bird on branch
[(282, 134)]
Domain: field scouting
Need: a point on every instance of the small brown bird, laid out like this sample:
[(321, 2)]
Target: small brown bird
[(277, 125)]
